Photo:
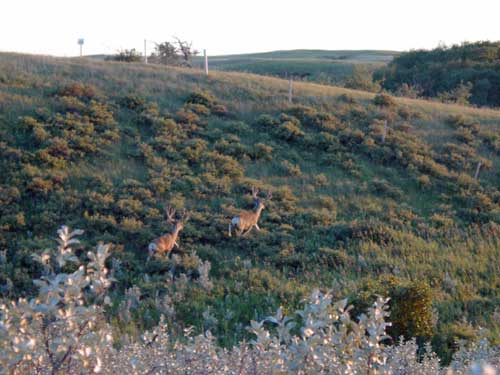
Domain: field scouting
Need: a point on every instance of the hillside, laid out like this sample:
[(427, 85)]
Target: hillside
[(106, 146), (469, 72), (321, 66)]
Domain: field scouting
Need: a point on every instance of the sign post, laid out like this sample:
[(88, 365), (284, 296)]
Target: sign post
[(80, 43)]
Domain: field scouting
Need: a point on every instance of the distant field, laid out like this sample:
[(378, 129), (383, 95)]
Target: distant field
[(357, 55), (329, 67)]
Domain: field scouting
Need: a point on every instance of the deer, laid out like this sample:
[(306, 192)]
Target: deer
[(247, 220), (165, 244)]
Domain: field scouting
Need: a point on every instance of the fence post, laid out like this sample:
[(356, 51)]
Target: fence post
[(478, 168), (206, 61), (384, 133)]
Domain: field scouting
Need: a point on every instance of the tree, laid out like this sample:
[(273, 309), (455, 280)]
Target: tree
[(361, 79), (460, 94), (178, 53)]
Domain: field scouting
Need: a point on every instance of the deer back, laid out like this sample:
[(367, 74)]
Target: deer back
[(165, 243), (248, 218)]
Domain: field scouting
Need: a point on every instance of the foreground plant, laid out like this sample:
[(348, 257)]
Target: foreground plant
[(322, 338), (62, 330)]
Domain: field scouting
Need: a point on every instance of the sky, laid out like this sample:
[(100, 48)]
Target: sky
[(52, 27)]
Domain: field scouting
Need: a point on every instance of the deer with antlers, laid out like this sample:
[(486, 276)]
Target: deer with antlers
[(246, 220), (165, 244)]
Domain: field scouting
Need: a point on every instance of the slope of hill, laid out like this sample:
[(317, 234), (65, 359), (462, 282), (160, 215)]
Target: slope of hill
[(365, 211), (322, 66), (470, 68)]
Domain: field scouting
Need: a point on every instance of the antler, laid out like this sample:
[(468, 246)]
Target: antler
[(170, 213), (185, 216), (255, 192)]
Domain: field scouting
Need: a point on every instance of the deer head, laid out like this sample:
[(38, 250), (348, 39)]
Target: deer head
[(178, 223), (259, 202)]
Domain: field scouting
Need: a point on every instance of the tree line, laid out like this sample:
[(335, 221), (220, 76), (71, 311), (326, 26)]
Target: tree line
[(468, 73), (177, 52)]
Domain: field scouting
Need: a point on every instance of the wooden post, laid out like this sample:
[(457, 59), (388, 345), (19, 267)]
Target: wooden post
[(478, 168), (206, 61), (290, 91), (145, 52), (384, 133)]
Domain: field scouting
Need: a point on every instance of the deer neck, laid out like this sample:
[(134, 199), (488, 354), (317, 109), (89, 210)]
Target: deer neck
[(258, 211), (175, 233)]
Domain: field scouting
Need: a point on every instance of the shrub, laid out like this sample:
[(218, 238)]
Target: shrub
[(187, 117), (290, 131), (384, 100), (262, 151), (78, 90), (63, 330), (127, 55), (267, 121), (201, 97), (424, 181), (290, 169), (309, 116), (335, 258), (132, 102)]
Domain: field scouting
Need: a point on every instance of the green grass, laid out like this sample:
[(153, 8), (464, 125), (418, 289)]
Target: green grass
[(347, 210)]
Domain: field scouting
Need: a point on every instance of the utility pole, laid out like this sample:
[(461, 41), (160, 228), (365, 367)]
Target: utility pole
[(206, 61), (145, 52)]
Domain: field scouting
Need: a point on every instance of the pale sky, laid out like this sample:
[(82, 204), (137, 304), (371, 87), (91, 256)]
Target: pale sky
[(233, 26)]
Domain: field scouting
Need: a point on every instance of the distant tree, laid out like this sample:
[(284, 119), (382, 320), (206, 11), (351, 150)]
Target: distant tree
[(439, 73), (409, 91), (179, 53), (361, 79), (460, 94), (127, 55), (481, 90), (186, 51)]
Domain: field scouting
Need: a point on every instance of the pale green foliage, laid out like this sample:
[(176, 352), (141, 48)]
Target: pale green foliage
[(328, 341), (62, 330)]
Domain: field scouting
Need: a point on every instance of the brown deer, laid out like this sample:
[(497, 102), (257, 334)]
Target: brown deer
[(165, 244), (246, 220)]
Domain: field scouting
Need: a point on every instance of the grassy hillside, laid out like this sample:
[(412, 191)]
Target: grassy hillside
[(327, 67), (105, 146)]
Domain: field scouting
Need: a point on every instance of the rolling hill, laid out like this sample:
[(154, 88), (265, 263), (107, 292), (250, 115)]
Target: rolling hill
[(371, 194), (322, 66)]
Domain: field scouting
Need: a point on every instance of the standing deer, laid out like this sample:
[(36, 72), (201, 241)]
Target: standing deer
[(165, 243), (246, 220)]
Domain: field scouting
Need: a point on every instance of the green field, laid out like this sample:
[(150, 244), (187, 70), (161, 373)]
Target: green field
[(322, 66), (104, 146)]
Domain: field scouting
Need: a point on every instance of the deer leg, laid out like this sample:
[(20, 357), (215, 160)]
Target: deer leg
[(230, 226), (248, 231), (176, 244)]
